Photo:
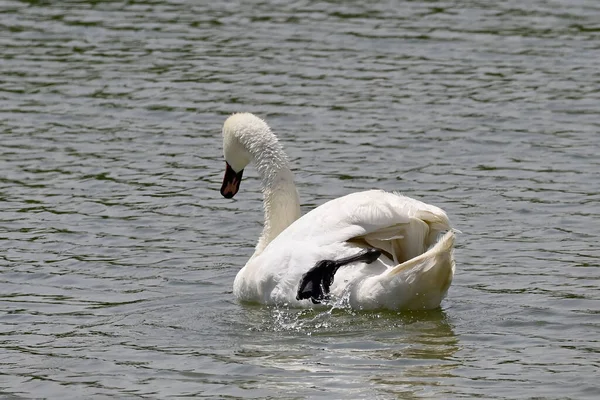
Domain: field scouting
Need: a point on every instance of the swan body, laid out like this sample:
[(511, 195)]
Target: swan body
[(416, 265)]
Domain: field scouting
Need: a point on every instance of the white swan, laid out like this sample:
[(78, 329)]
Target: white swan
[(415, 265)]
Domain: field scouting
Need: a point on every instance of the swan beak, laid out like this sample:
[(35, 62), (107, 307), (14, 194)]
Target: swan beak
[(231, 182)]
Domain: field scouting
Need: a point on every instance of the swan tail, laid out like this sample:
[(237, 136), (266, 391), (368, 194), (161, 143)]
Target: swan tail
[(419, 283), (443, 248)]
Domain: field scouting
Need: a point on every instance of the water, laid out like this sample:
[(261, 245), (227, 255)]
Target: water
[(118, 253)]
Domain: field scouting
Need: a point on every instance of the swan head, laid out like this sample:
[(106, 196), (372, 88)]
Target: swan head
[(246, 138)]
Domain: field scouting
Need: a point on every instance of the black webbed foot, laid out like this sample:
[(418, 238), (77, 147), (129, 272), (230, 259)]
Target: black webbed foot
[(316, 282)]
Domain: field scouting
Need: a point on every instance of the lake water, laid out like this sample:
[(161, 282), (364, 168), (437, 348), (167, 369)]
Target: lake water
[(118, 253)]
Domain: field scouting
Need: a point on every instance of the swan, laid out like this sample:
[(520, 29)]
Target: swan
[(368, 250)]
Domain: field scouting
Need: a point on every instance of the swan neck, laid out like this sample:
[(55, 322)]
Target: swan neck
[(280, 197), (281, 206)]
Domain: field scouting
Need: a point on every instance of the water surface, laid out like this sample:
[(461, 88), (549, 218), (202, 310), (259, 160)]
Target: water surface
[(119, 253)]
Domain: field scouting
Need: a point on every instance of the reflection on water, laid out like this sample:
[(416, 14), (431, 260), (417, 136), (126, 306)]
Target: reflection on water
[(401, 353)]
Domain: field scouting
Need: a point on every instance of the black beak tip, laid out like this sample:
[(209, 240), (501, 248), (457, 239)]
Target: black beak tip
[(227, 195)]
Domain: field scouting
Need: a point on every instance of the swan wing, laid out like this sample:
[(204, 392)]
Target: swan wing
[(373, 216)]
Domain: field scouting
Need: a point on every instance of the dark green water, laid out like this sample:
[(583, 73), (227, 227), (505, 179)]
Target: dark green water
[(118, 253)]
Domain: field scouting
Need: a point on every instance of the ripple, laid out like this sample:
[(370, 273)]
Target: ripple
[(119, 254)]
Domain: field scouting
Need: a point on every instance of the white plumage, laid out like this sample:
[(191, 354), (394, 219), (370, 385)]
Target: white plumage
[(416, 266)]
